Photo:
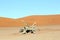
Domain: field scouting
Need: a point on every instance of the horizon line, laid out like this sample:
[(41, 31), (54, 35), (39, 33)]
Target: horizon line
[(29, 15)]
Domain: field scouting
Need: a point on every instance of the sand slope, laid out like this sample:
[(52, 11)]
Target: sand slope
[(40, 20)]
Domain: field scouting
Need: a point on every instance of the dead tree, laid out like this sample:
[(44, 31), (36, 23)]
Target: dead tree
[(28, 29)]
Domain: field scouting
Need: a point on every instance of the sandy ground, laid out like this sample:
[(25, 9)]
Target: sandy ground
[(45, 33)]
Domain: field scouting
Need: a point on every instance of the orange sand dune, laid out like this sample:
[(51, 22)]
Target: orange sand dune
[(40, 20)]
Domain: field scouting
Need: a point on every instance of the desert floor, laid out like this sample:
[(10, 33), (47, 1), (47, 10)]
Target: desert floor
[(45, 33)]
